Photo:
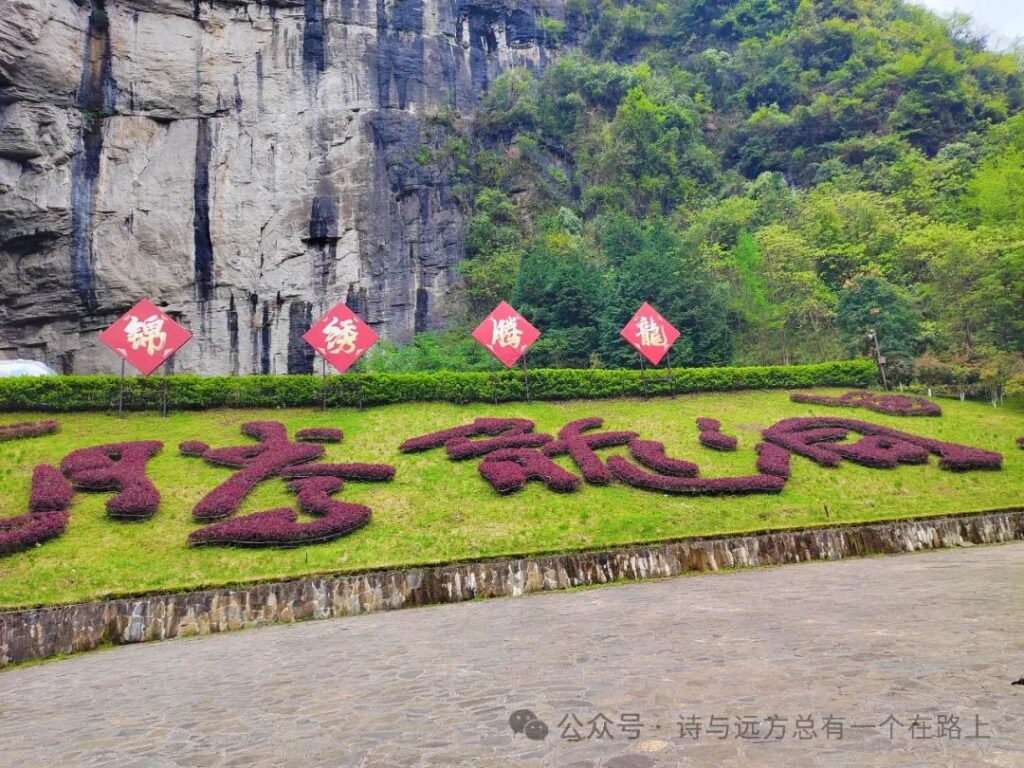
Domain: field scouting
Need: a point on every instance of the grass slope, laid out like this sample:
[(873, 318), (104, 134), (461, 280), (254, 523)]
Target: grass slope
[(437, 510)]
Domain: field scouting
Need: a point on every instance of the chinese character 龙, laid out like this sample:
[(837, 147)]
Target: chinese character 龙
[(650, 333)]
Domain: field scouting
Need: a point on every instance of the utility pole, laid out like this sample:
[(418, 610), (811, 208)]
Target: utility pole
[(879, 358)]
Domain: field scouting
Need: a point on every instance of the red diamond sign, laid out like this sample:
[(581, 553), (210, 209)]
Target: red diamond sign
[(506, 334), (650, 334), (341, 337), (145, 336)]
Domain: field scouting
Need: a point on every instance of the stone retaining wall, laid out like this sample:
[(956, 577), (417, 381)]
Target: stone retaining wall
[(44, 632)]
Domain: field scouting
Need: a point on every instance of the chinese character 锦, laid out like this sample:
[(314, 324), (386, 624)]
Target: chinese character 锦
[(148, 333)]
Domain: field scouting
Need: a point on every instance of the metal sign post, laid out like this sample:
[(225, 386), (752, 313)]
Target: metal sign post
[(494, 380), (341, 338), (120, 394), (643, 373), (526, 377), (507, 335), (671, 379), (323, 381), (879, 358), (652, 336), (163, 409), (146, 337)]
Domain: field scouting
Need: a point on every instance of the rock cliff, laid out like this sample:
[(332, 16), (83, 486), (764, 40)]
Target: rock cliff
[(244, 164)]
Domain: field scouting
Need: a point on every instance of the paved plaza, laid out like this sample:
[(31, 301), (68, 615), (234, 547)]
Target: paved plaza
[(892, 661)]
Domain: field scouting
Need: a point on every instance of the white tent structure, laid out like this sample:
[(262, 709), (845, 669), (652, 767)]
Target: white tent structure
[(25, 368)]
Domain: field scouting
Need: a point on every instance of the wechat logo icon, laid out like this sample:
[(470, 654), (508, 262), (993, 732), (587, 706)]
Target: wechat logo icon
[(525, 722)]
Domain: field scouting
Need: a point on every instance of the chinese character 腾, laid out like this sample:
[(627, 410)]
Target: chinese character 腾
[(506, 332)]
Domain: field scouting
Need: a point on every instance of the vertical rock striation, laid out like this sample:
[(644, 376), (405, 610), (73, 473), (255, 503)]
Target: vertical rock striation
[(217, 154)]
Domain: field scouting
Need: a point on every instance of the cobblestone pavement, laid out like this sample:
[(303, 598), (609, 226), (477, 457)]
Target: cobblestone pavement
[(927, 635)]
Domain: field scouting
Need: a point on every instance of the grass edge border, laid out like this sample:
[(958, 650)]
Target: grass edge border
[(30, 634)]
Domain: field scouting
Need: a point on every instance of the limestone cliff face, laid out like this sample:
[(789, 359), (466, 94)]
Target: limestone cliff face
[(244, 164)]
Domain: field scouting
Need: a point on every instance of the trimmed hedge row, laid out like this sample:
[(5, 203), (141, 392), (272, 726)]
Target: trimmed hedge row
[(189, 392)]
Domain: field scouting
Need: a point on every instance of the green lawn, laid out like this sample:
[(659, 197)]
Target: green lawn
[(437, 510)]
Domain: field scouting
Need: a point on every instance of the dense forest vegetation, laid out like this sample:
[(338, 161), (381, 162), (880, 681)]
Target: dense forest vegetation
[(776, 177)]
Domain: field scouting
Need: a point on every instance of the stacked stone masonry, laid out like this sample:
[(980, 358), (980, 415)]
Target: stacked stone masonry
[(45, 632)]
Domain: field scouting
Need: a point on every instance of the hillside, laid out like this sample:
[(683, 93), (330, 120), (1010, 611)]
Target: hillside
[(776, 177)]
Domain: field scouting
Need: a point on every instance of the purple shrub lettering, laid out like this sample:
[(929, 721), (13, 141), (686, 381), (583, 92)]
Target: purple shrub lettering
[(507, 466), (257, 462), (49, 498), (711, 435), (193, 448), (25, 531), (814, 438), (581, 448), (319, 435), (508, 470), (275, 456), (772, 460), (651, 454), (463, 448), (882, 452), (1020, 443), (278, 527), (510, 455), (364, 472), (27, 429), (50, 490), (482, 426), (678, 476), (117, 467), (893, 405), (824, 435), (696, 486), (134, 503), (717, 441)]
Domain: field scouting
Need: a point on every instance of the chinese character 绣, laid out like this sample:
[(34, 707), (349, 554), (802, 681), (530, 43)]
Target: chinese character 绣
[(341, 336)]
